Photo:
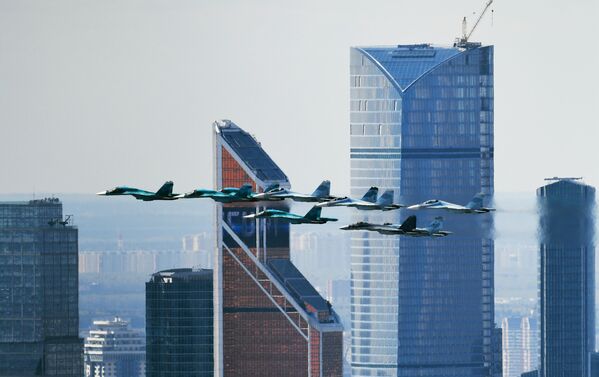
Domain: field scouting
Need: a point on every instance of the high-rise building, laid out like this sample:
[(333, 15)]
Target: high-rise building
[(567, 277), (512, 347), (39, 316), (530, 343), (112, 349), (520, 345), (269, 320), (179, 323), (421, 123)]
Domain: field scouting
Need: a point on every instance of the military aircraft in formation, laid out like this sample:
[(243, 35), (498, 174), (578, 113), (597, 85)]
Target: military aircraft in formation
[(368, 202), (312, 217), (474, 206), (321, 195), (164, 193), (407, 228)]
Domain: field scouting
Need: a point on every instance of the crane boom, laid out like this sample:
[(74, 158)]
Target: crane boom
[(479, 18), (463, 40)]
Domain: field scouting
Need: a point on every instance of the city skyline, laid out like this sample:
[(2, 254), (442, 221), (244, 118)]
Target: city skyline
[(112, 95), (377, 99)]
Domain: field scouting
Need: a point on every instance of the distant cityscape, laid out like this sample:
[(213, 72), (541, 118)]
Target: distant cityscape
[(112, 281), (194, 286)]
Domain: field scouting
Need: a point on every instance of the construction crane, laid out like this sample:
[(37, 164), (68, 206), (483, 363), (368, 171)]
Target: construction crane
[(463, 40)]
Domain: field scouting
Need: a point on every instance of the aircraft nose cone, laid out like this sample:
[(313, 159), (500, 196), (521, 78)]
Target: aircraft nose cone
[(102, 193), (415, 206)]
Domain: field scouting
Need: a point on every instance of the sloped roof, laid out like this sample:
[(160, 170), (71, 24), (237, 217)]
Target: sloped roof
[(407, 63), (251, 152), (286, 272)]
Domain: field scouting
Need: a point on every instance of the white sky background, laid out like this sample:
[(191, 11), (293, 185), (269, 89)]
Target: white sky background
[(94, 94)]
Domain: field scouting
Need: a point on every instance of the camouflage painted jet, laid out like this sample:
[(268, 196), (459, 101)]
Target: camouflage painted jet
[(226, 195), (164, 193), (474, 206), (321, 194), (407, 228), (368, 202), (312, 217)]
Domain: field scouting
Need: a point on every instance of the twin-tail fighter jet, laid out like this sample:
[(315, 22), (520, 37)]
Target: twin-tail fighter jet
[(312, 217), (407, 228), (226, 195), (164, 193), (368, 202), (474, 206), (321, 194)]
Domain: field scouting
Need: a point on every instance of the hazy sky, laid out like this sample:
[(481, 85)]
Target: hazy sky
[(99, 93)]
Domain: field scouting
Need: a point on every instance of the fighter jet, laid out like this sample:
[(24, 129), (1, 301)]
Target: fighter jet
[(312, 217), (321, 194), (386, 228), (407, 228), (164, 193), (474, 206), (368, 202), (226, 195)]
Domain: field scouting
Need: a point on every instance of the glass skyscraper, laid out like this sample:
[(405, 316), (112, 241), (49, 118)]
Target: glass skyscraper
[(567, 277), (269, 320), (179, 324), (422, 125), (39, 315)]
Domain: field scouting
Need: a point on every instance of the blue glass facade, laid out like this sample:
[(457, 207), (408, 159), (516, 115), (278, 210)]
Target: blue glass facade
[(39, 311), (422, 124), (567, 278), (179, 324)]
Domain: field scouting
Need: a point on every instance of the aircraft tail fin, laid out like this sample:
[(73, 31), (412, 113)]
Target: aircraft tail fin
[(323, 190), (166, 189), (271, 187), (371, 195), (476, 202), (245, 190), (386, 199), (409, 224), (313, 213), (436, 225)]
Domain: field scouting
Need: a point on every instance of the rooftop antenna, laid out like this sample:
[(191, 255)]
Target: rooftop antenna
[(462, 41)]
